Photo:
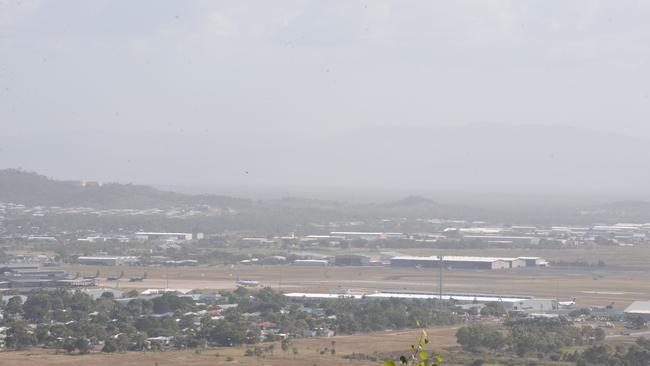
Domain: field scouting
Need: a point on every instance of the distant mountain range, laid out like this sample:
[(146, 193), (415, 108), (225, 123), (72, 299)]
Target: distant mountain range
[(32, 189)]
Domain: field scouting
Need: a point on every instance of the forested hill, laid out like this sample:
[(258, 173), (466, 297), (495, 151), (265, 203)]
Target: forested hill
[(32, 189)]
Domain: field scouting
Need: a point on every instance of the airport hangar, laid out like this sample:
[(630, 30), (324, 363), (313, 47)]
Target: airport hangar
[(462, 262)]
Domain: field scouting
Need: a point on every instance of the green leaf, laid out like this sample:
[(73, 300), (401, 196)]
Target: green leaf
[(412, 347), (439, 358), (389, 363), (426, 340), (424, 355), (402, 359)]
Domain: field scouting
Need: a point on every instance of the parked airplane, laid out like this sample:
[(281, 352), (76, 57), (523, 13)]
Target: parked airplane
[(138, 279), (113, 278), (91, 277)]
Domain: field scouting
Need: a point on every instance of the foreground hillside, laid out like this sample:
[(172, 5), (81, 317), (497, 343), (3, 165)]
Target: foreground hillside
[(307, 352)]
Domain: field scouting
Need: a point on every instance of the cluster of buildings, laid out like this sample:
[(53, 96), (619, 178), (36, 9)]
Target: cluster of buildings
[(618, 234), (181, 212), (110, 260), (397, 260), (420, 232), (143, 236), (24, 278), (120, 237), (462, 233)]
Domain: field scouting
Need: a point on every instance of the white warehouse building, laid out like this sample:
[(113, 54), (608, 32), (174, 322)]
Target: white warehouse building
[(465, 262)]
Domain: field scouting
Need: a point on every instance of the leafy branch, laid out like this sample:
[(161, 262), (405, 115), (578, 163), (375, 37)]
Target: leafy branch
[(417, 356)]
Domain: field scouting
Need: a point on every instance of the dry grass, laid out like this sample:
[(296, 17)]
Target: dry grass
[(308, 352)]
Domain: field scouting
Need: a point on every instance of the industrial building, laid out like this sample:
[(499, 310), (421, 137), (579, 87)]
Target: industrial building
[(502, 239), (311, 262), (274, 259), (25, 278), (351, 260), (142, 235), (184, 262), (370, 236), (463, 262), (510, 302), (534, 261), (107, 260), (641, 308)]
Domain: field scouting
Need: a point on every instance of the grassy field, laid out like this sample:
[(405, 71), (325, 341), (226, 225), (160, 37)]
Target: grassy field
[(308, 352)]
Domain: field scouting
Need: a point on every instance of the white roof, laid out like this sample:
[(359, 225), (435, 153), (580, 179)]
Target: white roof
[(639, 307), (387, 295), (454, 258), (154, 233), (361, 233), (108, 257), (310, 261)]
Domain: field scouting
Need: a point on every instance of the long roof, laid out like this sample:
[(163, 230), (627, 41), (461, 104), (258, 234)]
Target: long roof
[(454, 258), (639, 307), (156, 233), (411, 296)]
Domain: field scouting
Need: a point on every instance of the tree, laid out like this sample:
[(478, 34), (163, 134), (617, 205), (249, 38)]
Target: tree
[(69, 345), (122, 342), (493, 309), (19, 337), (637, 356), (474, 337), (597, 355), (14, 306), (37, 307), (285, 345), (107, 295), (110, 346), (82, 345)]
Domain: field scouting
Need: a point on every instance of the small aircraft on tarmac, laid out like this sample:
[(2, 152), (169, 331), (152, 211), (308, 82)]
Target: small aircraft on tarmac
[(115, 278)]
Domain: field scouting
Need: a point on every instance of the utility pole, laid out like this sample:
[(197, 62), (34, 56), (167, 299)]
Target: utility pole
[(440, 279)]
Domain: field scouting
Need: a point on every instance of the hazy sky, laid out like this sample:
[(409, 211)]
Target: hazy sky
[(310, 68)]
